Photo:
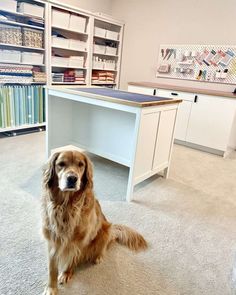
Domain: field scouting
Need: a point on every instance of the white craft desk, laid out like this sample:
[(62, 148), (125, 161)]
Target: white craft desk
[(131, 129)]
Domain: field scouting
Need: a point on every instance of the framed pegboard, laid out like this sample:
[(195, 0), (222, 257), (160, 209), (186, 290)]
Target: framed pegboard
[(208, 63)]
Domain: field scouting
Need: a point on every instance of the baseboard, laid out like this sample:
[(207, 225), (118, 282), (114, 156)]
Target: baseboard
[(200, 147)]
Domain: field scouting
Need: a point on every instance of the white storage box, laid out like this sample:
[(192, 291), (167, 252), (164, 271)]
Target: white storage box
[(99, 32), (9, 5), (109, 65), (112, 35), (10, 56), (31, 9), (32, 58), (77, 23), (111, 50), (99, 49), (60, 19), (60, 61), (76, 61), (77, 45), (60, 42), (98, 65)]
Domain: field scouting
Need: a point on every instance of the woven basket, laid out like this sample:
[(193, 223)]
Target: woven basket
[(32, 38), (10, 35)]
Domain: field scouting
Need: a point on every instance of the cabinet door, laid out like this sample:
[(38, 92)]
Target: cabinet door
[(146, 144), (211, 121), (164, 139), (183, 115), (142, 90)]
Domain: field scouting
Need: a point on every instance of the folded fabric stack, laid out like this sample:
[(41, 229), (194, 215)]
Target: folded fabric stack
[(58, 77), (21, 105), (69, 76), (39, 77), (38, 22), (79, 76), (16, 74), (103, 77)]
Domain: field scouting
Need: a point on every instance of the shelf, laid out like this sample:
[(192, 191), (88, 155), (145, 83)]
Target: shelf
[(68, 83), (19, 14), (8, 22), (8, 129), (24, 83), (21, 47), (68, 67), (104, 70), (105, 54), (69, 49), (69, 30), (105, 38), (21, 64), (104, 83)]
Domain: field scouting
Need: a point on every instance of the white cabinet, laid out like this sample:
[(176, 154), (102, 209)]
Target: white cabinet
[(210, 121), (203, 120), (182, 122), (184, 110), (155, 141), (142, 90)]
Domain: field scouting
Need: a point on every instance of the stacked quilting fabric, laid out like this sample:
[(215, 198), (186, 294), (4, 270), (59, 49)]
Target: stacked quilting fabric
[(16, 74), (69, 76), (39, 77), (103, 77), (79, 76)]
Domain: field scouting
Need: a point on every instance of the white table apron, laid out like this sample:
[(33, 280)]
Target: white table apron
[(129, 135)]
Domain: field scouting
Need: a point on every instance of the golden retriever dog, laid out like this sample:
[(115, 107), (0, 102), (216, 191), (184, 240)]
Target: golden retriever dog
[(73, 223)]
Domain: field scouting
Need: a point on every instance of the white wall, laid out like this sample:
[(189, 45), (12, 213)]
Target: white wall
[(103, 6), (149, 23)]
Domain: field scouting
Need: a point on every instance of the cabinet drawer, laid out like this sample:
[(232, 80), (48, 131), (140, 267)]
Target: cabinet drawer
[(174, 94)]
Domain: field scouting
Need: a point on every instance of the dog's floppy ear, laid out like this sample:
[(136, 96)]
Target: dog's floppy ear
[(88, 173), (49, 170)]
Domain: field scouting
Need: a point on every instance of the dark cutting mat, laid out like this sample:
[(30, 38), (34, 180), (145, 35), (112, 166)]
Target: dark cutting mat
[(129, 96)]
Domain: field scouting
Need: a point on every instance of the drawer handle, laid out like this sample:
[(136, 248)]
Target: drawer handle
[(174, 93), (195, 98), (154, 92)]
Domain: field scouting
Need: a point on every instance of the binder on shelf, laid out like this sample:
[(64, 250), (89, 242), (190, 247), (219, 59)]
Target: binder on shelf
[(21, 105)]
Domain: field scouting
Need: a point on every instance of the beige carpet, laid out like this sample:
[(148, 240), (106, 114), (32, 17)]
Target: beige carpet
[(189, 221)]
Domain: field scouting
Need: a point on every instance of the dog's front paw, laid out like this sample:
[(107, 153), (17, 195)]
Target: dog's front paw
[(98, 260), (50, 291), (65, 277)]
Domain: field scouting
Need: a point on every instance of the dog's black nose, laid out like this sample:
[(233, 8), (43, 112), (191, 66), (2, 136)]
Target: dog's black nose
[(71, 181)]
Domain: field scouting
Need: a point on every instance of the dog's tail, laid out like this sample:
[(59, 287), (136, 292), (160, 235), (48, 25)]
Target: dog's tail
[(128, 237)]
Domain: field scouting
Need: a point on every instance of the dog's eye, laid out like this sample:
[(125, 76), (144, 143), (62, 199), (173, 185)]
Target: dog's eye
[(81, 164), (61, 164)]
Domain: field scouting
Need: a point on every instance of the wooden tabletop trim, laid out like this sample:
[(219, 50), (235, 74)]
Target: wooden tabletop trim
[(112, 99), (184, 89)]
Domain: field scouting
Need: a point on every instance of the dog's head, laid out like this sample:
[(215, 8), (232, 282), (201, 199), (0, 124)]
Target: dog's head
[(69, 171)]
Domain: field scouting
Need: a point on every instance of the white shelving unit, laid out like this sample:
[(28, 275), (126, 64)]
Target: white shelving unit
[(89, 36), (21, 21), (65, 32), (107, 35), (68, 30)]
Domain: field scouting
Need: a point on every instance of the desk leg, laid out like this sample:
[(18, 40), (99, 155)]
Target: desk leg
[(166, 172), (130, 186)]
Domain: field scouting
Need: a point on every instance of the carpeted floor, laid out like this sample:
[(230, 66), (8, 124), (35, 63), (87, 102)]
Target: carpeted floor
[(189, 221)]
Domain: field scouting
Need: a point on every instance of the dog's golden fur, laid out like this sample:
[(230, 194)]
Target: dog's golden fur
[(73, 223)]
